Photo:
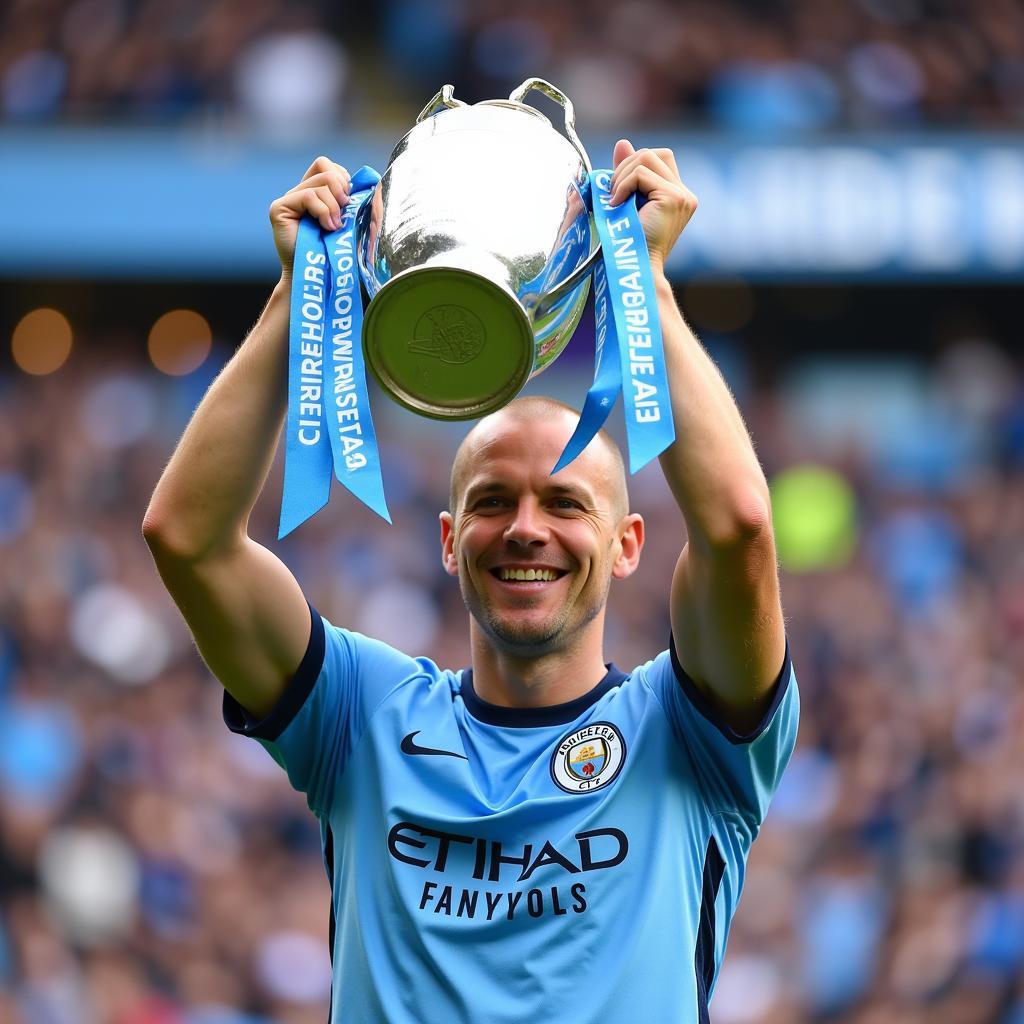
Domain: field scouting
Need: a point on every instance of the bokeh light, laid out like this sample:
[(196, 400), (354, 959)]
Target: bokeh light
[(815, 517), (41, 342), (179, 342), (91, 877)]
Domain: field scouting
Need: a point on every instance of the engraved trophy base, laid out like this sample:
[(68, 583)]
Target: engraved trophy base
[(448, 343)]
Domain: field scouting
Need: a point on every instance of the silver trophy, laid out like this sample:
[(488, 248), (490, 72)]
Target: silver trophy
[(476, 250)]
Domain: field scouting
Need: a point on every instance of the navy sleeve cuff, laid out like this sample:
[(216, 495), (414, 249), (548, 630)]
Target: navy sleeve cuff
[(299, 687), (714, 716)]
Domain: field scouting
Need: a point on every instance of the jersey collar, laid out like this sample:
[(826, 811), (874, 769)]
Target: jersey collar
[(553, 714)]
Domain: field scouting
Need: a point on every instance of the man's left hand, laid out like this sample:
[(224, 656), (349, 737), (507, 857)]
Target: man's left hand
[(670, 204)]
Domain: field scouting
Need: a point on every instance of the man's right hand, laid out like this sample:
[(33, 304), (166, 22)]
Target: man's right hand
[(322, 193)]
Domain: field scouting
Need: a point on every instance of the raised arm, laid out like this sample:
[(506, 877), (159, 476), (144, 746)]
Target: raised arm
[(242, 604), (725, 608)]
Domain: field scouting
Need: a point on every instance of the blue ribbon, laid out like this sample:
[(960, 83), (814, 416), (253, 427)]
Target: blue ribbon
[(329, 422), (635, 365), (607, 377)]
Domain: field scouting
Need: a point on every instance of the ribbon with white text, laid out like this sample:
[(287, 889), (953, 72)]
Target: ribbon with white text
[(329, 421), (635, 365)]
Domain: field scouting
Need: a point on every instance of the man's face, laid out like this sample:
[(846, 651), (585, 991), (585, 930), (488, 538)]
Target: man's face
[(564, 533)]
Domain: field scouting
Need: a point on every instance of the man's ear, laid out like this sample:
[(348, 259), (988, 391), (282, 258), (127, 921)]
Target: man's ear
[(631, 542), (448, 559)]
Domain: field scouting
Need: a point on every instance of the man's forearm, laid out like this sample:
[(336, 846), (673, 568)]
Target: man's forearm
[(203, 499), (711, 467)]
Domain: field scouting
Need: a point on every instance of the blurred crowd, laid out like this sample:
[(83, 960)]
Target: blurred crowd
[(771, 65), (155, 869)]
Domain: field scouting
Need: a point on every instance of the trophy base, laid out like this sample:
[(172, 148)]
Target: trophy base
[(448, 343)]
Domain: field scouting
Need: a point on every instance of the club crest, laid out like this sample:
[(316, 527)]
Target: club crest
[(588, 759)]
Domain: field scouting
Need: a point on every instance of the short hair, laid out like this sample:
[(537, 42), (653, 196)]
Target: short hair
[(535, 407)]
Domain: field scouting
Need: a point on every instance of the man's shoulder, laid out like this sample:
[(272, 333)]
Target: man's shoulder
[(378, 659), (653, 671)]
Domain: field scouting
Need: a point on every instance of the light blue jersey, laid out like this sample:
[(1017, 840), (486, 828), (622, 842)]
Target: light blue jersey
[(580, 862)]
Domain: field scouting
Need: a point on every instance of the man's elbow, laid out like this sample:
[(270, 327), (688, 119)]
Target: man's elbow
[(746, 521), (158, 536), (169, 540)]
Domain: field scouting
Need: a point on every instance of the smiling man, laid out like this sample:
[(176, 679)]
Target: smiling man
[(536, 553), (540, 836)]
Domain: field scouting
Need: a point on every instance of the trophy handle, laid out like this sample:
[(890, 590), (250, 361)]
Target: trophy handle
[(567, 284), (554, 93), (445, 97)]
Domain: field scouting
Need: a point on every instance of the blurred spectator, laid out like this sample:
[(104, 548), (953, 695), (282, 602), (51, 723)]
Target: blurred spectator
[(291, 82), (789, 65)]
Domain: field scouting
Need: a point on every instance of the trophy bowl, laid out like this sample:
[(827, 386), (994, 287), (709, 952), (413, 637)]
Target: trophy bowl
[(476, 250)]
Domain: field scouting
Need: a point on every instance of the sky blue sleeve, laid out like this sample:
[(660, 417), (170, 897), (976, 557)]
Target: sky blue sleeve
[(322, 714), (737, 773)]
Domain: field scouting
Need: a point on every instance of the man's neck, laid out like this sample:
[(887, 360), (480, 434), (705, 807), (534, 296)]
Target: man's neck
[(514, 681)]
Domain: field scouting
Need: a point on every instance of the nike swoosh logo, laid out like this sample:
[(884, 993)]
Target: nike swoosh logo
[(409, 747)]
